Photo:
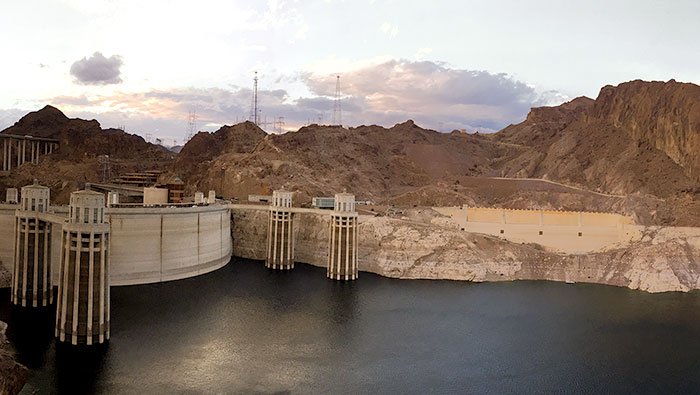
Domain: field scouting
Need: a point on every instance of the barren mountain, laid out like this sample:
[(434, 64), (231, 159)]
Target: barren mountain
[(638, 137), (82, 143), (630, 150)]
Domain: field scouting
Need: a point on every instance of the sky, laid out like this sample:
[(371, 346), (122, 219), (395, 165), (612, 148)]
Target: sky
[(146, 65)]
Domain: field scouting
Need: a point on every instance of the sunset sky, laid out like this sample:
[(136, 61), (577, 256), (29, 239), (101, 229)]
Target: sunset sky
[(445, 64)]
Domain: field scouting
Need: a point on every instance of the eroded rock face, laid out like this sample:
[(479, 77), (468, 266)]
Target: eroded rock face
[(666, 259), (12, 374)]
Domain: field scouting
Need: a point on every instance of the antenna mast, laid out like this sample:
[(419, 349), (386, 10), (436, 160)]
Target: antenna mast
[(337, 111), (254, 117)]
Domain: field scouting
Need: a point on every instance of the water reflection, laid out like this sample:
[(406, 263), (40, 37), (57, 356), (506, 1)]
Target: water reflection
[(245, 328)]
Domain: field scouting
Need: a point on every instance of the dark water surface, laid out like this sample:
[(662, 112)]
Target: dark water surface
[(245, 329)]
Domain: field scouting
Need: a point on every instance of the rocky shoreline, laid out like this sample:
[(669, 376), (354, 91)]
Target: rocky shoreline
[(666, 259), (12, 374)]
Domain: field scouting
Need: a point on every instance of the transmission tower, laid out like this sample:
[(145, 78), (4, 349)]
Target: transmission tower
[(104, 162), (337, 111), (191, 125), (278, 126), (254, 112)]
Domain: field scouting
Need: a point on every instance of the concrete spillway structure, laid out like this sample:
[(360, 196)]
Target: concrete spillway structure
[(342, 242), (82, 311), (280, 232), (31, 277)]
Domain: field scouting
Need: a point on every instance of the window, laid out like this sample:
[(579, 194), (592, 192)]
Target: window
[(87, 215), (94, 218), (33, 204), (580, 234), (540, 233), (501, 231)]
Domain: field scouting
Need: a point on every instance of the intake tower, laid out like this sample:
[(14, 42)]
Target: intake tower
[(280, 232), (342, 242), (31, 278), (82, 312)]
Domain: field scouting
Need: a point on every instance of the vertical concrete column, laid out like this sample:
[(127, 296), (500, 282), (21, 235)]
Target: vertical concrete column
[(4, 154), (82, 310), (31, 279), (9, 154), (280, 232), (342, 247), (19, 155)]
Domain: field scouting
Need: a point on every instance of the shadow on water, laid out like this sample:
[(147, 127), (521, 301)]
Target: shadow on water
[(31, 334), (78, 368)]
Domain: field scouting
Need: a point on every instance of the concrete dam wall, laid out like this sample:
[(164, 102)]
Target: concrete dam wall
[(561, 231), (148, 245), (428, 245)]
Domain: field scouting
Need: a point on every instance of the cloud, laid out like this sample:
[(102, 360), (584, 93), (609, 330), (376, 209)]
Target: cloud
[(391, 30), (432, 94), (97, 70), (420, 54)]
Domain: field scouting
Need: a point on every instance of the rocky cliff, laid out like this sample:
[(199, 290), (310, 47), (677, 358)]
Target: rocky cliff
[(425, 246), (12, 374)]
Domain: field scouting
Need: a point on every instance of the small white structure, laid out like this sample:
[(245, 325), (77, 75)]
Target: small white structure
[(82, 308), (31, 278), (280, 232), (112, 199), (342, 242), (11, 196), (155, 196), (211, 199), (199, 198)]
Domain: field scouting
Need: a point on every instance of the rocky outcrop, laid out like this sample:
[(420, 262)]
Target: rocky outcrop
[(12, 374), (77, 161), (666, 259), (665, 115)]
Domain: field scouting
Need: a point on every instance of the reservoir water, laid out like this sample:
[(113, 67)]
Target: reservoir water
[(245, 329)]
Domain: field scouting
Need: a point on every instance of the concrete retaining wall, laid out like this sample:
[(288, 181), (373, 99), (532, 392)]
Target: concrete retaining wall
[(560, 231)]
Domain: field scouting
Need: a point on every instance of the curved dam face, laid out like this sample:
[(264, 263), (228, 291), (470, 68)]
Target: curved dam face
[(151, 245), (148, 245)]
